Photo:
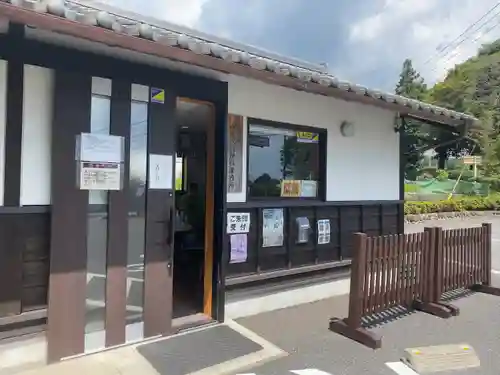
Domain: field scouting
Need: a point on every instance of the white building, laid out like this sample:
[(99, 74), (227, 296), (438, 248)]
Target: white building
[(307, 158)]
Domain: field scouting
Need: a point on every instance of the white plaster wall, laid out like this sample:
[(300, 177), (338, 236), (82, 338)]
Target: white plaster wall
[(37, 132), (3, 113), (363, 167)]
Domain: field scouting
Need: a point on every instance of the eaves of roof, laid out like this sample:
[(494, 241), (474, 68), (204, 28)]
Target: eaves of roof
[(115, 29)]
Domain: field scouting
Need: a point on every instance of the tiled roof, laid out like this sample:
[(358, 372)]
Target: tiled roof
[(116, 22)]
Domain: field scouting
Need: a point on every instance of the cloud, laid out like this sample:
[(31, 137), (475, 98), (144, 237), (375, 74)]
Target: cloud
[(362, 41), (181, 12), (421, 29)]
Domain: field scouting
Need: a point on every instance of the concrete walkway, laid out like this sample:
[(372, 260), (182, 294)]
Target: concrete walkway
[(302, 331), (219, 349)]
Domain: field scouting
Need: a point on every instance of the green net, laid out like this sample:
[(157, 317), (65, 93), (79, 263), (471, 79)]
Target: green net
[(438, 190)]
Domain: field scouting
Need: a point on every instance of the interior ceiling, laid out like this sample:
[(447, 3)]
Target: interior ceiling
[(192, 116)]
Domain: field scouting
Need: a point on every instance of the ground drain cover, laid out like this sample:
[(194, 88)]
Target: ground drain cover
[(431, 359)]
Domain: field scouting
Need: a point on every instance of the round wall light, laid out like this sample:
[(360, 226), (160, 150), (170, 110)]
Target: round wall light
[(347, 129)]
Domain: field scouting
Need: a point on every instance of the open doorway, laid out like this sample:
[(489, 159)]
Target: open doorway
[(193, 252)]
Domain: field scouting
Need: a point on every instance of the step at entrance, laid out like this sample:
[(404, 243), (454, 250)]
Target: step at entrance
[(191, 352)]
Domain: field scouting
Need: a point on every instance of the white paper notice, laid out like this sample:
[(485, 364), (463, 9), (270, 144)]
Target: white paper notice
[(323, 231), (161, 168), (272, 227), (101, 148), (100, 176), (239, 251), (238, 222)]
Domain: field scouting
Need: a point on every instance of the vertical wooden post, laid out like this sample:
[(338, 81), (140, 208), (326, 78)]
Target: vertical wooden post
[(438, 264), (358, 270), (487, 252), (430, 264)]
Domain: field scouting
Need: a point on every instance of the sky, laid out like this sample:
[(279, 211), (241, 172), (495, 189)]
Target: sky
[(363, 41)]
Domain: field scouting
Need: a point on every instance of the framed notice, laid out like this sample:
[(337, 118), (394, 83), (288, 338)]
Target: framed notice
[(235, 154), (308, 188), (100, 176), (290, 188), (272, 227)]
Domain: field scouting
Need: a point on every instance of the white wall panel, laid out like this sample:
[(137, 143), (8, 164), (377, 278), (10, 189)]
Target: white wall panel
[(38, 97), (363, 167)]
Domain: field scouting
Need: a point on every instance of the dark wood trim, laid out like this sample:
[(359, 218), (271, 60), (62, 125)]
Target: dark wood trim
[(116, 275), (70, 60), (377, 219), (114, 39), (11, 266), (323, 134), (304, 203), (221, 249), (68, 246), (25, 210), (160, 206), (287, 272), (402, 167), (14, 122)]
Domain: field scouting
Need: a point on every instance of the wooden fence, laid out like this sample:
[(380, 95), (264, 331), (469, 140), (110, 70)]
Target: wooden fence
[(413, 271)]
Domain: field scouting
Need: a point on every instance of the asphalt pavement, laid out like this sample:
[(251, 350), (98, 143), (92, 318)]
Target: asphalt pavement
[(302, 331)]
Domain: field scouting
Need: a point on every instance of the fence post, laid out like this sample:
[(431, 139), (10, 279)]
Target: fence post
[(487, 252), (438, 269), (358, 270), (431, 302), (485, 286), (430, 264)]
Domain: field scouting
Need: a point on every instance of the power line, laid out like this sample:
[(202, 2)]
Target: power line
[(491, 28), (469, 28)]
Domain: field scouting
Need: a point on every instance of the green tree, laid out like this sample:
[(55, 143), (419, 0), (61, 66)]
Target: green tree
[(411, 85), (451, 94)]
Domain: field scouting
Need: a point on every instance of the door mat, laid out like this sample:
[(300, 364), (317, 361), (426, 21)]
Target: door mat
[(184, 354)]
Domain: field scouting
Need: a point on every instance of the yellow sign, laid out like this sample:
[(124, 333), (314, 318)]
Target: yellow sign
[(307, 137), (157, 95), (290, 188), (470, 160)]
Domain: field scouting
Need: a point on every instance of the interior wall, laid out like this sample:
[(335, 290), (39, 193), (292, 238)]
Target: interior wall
[(359, 168), (3, 113), (37, 132)]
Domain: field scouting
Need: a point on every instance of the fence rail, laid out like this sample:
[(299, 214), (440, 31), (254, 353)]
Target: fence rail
[(413, 271)]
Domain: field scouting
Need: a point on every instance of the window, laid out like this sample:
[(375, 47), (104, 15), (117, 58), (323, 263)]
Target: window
[(282, 162)]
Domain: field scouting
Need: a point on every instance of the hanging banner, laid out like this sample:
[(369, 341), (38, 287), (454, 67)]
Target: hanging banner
[(272, 227), (235, 154), (290, 188), (307, 137)]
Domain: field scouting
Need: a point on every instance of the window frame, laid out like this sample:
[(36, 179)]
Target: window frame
[(322, 133)]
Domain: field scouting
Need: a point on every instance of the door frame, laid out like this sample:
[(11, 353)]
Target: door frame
[(65, 332), (208, 247)]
